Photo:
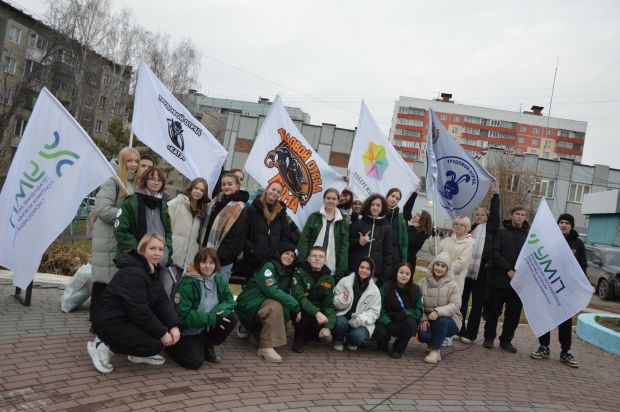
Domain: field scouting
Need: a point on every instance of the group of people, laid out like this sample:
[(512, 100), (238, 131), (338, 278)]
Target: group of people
[(346, 278)]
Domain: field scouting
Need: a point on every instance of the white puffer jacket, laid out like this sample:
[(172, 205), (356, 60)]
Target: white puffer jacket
[(368, 306), (442, 296), (186, 233), (460, 251)]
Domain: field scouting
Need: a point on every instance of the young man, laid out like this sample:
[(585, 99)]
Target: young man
[(566, 222), (506, 248), (146, 162), (313, 287)]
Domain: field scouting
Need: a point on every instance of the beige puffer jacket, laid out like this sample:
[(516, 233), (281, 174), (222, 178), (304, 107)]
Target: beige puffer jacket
[(186, 231), (460, 251), (443, 295)]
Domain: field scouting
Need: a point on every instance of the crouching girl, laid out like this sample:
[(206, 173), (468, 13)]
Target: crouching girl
[(442, 304), (133, 315), (205, 306)]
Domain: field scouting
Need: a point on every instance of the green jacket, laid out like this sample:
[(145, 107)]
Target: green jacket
[(265, 284), (415, 312), (311, 231), (189, 292), (315, 297), (126, 226), (403, 238)]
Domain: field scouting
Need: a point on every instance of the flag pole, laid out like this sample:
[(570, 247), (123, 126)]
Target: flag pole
[(131, 137), (435, 227)]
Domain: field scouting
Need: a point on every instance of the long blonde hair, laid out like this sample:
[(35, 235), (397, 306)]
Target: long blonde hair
[(123, 155)]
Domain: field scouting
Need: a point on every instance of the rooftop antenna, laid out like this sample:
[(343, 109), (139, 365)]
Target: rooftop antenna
[(552, 90)]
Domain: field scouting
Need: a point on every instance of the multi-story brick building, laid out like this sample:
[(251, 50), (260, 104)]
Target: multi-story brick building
[(479, 128)]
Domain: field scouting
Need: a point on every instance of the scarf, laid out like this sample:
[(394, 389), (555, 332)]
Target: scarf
[(270, 212), (331, 244), (223, 222), (144, 201), (479, 234)]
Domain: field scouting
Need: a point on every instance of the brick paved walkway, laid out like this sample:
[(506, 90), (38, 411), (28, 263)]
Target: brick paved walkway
[(44, 366)]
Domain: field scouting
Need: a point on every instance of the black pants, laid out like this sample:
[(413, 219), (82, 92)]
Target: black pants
[(565, 331), (497, 299), (307, 328), (97, 290), (128, 339), (403, 331), (190, 350), (475, 288)]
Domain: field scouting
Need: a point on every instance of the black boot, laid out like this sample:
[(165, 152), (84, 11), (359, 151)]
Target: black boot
[(211, 356), (298, 346)]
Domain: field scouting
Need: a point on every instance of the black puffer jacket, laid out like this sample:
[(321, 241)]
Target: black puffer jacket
[(491, 229), (261, 238), (379, 249), (578, 248), (135, 296), (506, 248)]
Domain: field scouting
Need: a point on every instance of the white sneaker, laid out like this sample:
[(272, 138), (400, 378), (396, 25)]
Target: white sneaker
[(338, 347), (352, 347), (154, 360), (242, 333), (466, 341), (447, 342), (100, 355)]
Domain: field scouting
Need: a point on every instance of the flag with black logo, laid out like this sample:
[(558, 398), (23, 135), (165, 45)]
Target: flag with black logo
[(167, 127)]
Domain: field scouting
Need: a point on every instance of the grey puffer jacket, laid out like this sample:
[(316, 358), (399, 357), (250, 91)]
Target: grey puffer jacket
[(442, 295), (187, 235), (107, 204)]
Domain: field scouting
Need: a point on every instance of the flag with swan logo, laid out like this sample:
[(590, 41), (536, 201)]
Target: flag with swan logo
[(374, 165), (56, 165), (548, 279), (454, 180)]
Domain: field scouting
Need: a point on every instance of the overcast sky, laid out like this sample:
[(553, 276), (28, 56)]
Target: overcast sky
[(325, 56)]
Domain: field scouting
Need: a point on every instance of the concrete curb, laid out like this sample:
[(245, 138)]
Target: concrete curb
[(40, 279), (590, 331)]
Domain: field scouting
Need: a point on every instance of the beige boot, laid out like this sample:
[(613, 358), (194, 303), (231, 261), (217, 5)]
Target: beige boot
[(269, 354), (433, 357)]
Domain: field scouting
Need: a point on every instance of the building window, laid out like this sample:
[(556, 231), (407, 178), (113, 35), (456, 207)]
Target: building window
[(535, 142), (15, 34), (549, 132), (473, 119), (519, 150), (523, 129), (521, 139), (102, 102), (37, 42), (20, 126), (407, 132), (546, 155), (513, 183), (9, 65), (106, 79), (117, 108), (577, 191), (544, 188), (411, 122), (98, 124), (444, 117), (455, 130), (411, 110), (548, 143), (456, 119), (537, 130), (66, 56)]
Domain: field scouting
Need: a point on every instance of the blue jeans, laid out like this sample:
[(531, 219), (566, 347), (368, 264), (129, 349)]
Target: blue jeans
[(437, 331), (343, 331), (225, 271)]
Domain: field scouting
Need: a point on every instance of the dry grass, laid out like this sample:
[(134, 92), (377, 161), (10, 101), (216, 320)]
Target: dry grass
[(65, 257)]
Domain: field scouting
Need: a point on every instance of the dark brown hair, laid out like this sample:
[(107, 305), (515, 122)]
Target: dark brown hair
[(232, 176), (366, 205), (202, 255), (426, 223), (149, 172), (331, 190), (349, 203), (199, 207), (392, 190)]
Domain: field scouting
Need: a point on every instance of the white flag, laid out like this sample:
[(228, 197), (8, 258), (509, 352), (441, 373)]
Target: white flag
[(167, 127), (374, 165), (280, 153), (549, 280), (454, 180), (56, 165)]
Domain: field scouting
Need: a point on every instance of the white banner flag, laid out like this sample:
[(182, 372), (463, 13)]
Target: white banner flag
[(454, 180), (167, 127), (56, 165), (549, 280), (280, 153), (374, 165)]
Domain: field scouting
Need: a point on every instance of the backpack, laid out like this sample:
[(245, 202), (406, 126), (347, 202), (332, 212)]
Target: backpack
[(170, 280)]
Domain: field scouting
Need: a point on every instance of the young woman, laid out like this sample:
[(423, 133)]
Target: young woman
[(442, 304), (370, 236), (358, 303), (356, 209), (205, 306), (266, 305), (327, 229), (396, 222), (107, 205), (187, 213), (483, 231), (401, 310), (419, 228), (134, 316), (345, 201), (144, 212), (225, 230), (265, 226)]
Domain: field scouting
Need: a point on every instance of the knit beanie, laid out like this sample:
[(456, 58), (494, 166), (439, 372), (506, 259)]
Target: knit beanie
[(569, 218), (287, 247)]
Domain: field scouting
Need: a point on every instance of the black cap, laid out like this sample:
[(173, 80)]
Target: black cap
[(569, 218), (287, 247)]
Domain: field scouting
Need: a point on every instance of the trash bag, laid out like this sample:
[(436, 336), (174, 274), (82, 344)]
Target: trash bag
[(78, 290)]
